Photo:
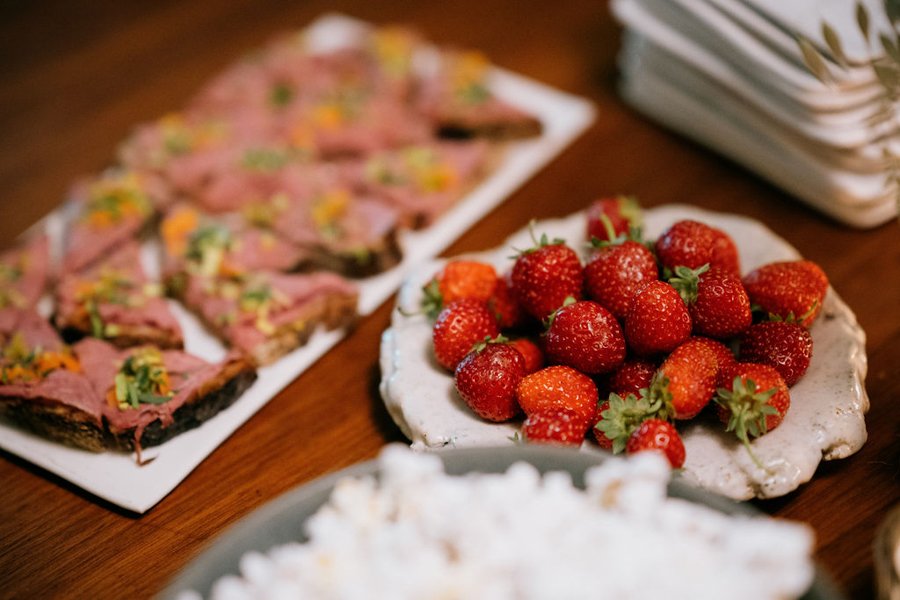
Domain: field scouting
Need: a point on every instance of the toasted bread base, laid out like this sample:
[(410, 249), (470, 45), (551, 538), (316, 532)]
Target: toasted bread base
[(54, 420), (128, 336)]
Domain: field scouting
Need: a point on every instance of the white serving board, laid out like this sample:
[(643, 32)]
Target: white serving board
[(117, 478)]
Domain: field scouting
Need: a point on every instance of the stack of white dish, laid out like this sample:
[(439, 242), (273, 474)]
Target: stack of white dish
[(730, 74)]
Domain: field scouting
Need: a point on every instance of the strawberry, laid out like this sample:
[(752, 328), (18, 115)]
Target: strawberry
[(554, 426), (658, 435), (486, 380), (754, 401), (657, 320), (725, 253), (505, 305), (608, 218), (780, 344), (686, 380), (544, 276), (531, 352), (790, 290), (716, 300), (616, 272), (558, 387), (456, 280), (586, 336), (458, 327), (693, 244), (724, 357), (621, 415), (633, 375)]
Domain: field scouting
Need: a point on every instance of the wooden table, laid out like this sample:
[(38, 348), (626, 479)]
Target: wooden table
[(76, 79)]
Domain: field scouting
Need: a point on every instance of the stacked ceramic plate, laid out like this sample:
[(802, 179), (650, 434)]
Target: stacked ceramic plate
[(731, 74)]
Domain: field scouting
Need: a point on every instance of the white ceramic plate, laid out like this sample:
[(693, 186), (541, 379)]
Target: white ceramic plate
[(718, 120), (825, 421), (117, 478)]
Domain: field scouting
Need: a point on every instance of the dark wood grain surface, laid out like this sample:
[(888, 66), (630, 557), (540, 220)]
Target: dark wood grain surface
[(75, 79)]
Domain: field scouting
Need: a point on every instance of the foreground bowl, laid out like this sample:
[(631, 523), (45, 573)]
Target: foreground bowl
[(283, 519)]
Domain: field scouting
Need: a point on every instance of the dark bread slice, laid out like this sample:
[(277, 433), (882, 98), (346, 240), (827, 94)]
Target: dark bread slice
[(462, 126), (128, 335), (63, 407), (356, 265), (59, 422)]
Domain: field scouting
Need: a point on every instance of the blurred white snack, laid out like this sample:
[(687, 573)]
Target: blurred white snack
[(419, 533)]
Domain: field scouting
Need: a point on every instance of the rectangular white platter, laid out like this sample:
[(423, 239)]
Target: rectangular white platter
[(117, 478)]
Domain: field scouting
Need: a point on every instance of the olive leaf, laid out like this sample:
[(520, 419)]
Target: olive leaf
[(834, 44), (862, 19), (814, 61)]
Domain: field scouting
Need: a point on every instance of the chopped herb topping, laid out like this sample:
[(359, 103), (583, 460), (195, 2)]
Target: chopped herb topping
[(114, 198), (142, 379), (264, 159), (282, 94), (207, 246)]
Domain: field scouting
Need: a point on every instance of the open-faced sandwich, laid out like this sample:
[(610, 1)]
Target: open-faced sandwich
[(116, 301)]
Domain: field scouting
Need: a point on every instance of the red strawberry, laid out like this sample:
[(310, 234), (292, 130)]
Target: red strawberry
[(724, 357), (544, 276), (505, 305), (790, 290), (657, 320), (459, 326), (658, 435), (725, 253), (586, 336), (620, 416), (686, 380), (781, 344), (622, 213), (754, 401), (716, 299), (558, 387), (531, 352), (616, 272), (458, 279), (554, 426), (693, 244), (633, 375), (486, 380)]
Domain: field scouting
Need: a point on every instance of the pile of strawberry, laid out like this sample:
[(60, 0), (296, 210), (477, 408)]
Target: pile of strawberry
[(630, 342)]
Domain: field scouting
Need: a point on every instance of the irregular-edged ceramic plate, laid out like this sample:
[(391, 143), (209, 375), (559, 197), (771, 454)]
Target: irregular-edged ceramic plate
[(826, 420)]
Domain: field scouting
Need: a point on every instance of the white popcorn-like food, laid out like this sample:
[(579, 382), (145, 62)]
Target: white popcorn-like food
[(418, 533)]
